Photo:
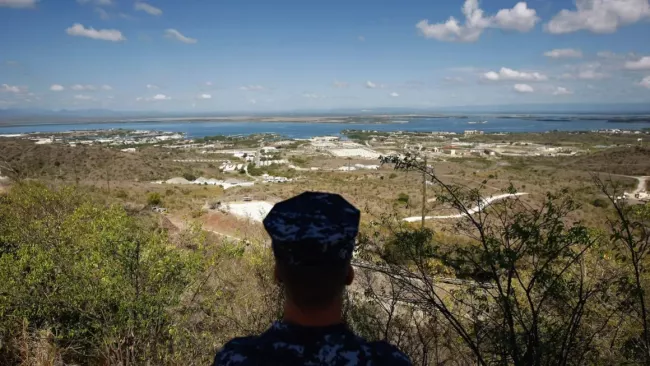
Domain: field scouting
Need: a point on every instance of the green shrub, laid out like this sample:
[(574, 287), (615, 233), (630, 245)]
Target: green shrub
[(403, 198), (189, 176), (154, 199), (600, 202), (92, 276)]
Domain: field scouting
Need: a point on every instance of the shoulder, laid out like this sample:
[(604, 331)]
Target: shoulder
[(239, 351), (388, 354)]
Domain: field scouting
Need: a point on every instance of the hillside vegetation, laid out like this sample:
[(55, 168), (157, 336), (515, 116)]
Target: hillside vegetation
[(85, 283)]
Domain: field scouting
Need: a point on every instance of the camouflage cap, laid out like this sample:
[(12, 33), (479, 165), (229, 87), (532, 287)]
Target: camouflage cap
[(313, 229)]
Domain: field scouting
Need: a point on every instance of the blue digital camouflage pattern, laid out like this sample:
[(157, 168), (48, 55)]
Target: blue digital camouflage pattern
[(288, 344), (313, 229)]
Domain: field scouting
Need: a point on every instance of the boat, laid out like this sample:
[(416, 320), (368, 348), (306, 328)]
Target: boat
[(477, 123)]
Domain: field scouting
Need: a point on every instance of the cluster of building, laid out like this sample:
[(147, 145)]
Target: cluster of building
[(225, 184), (349, 168), (344, 149), (271, 179), (617, 131), (104, 137), (229, 167)]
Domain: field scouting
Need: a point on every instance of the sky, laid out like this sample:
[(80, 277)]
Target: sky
[(282, 55)]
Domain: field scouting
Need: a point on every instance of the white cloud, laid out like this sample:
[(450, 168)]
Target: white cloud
[(150, 9), (458, 79), (83, 97), (599, 16), (642, 64), (514, 75), (96, 2), (591, 75), (562, 91), (107, 87), (645, 82), (610, 55), (340, 84), (370, 85), (174, 34), (251, 87), (152, 86), (80, 87), (252, 101), (519, 18), (208, 83), (10, 88), (161, 97), (156, 97), (18, 3), (393, 94), (564, 53), (523, 88), (112, 35), (102, 13), (311, 96), (56, 87), (205, 96)]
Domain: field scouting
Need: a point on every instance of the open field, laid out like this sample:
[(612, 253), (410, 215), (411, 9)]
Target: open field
[(345, 167)]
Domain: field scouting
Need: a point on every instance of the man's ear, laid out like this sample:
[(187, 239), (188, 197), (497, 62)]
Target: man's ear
[(350, 277)]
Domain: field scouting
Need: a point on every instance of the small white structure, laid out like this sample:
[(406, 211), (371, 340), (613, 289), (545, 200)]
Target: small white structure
[(473, 132), (129, 150), (254, 210), (347, 168), (271, 162), (368, 167)]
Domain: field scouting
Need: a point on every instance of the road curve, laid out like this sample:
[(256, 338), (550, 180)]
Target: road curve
[(486, 202)]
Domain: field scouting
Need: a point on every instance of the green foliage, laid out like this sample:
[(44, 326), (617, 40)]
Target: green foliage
[(299, 160), (93, 275), (403, 198), (154, 199), (600, 202), (189, 176)]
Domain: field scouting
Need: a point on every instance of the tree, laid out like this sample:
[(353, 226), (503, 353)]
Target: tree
[(521, 292), (630, 235)]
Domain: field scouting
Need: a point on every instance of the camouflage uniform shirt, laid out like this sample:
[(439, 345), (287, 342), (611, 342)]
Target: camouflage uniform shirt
[(287, 344)]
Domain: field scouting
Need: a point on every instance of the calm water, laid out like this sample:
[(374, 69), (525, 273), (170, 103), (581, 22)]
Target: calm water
[(304, 130)]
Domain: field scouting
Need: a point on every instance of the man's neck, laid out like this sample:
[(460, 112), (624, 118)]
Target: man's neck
[(313, 317)]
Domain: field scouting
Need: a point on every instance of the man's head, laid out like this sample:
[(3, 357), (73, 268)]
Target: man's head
[(313, 238)]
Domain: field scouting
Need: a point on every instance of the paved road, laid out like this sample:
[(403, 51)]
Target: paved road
[(486, 202), (642, 184)]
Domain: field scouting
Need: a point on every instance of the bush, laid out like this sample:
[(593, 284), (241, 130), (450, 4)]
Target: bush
[(600, 202), (189, 176), (101, 282), (392, 176), (154, 199), (403, 198)]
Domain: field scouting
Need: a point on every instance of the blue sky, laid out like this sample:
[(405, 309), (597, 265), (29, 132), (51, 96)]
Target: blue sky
[(260, 55)]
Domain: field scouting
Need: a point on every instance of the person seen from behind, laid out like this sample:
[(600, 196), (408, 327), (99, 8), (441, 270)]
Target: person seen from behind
[(313, 238)]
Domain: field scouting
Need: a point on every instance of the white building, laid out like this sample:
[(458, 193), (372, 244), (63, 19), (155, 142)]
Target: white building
[(473, 132)]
